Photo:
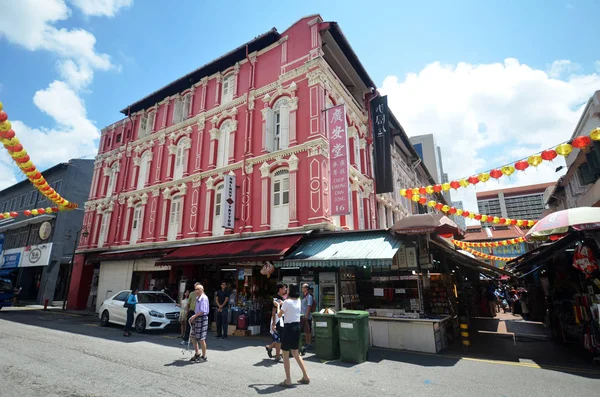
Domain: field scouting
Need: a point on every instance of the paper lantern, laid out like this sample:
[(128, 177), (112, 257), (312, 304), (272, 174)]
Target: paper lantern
[(484, 218), (459, 212), (464, 183), (519, 222), (6, 215), (14, 214), (513, 222), (3, 116), (508, 170), (535, 160), (473, 180), (496, 220), (455, 185), (446, 235), (478, 217), (41, 211), (483, 177), (439, 206), (1, 216), (471, 215), (415, 198), (5, 126), (521, 165), (27, 213), (581, 141), (431, 204), (549, 154), (48, 210), (409, 193), (437, 188), (595, 134), (452, 210), (466, 214), (415, 191), (445, 186), (445, 208), (564, 149), (496, 174), (403, 192), (502, 221)]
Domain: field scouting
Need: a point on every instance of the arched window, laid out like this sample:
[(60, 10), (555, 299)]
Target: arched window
[(278, 125), (280, 202), (180, 160), (136, 225), (144, 169), (174, 218), (218, 229), (223, 145)]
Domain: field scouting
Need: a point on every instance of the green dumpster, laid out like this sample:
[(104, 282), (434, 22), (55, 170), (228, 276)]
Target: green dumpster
[(327, 342), (353, 327)]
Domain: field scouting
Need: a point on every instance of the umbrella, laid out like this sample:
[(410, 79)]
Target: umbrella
[(561, 222), (427, 223)]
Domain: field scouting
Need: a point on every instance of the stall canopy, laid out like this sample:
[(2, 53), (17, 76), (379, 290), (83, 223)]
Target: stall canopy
[(529, 260), (344, 249), (428, 223), (252, 249)]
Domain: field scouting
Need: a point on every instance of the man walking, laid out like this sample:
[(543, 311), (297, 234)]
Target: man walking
[(191, 312), (199, 322), (222, 301), (307, 305), (276, 323)]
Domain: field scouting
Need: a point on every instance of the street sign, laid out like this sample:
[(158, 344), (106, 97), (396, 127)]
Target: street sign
[(228, 218)]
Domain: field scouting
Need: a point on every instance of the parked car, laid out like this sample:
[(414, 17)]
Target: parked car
[(155, 310)]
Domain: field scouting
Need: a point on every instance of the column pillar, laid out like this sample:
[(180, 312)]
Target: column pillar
[(210, 193), (265, 199), (293, 163)]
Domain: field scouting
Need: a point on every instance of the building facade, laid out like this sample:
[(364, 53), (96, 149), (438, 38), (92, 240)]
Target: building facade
[(487, 234), (525, 202), (460, 221), (241, 142), (37, 251)]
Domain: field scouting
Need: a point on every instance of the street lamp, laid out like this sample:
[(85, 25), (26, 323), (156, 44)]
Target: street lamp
[(68, 236)]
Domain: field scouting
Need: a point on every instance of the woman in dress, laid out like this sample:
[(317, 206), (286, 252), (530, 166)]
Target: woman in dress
[(184, 305), (291, 310), (131, 304)]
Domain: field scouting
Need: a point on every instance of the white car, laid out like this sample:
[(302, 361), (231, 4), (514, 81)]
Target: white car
[(155, 310)]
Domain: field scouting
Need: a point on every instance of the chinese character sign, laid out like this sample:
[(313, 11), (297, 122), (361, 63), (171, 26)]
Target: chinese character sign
[(338, 159), (382, 140), (228, 216)]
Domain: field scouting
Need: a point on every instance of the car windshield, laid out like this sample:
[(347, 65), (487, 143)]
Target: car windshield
[(154, 297), (5, 285)]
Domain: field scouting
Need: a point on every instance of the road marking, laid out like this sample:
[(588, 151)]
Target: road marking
[(92, 325), (170, 337)]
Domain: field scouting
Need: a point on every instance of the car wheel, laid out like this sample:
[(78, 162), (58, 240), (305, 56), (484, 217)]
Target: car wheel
[(140, 323), (104, 319)]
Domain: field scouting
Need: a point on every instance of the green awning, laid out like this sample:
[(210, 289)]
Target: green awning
[(344, 249)]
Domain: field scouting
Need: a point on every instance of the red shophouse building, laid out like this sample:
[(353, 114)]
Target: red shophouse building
[(256, 113)]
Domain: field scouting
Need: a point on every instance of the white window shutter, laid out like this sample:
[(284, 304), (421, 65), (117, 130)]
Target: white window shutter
[(177, 111), (231, 145), (150, 123), (186, 106), (143, 125), (269, 133), (221, 149), (142, 173), (284, 138)]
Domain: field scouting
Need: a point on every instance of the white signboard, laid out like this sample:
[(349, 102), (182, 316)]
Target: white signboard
[(228, 217), (347, 325), (36, 255), (411, 257)]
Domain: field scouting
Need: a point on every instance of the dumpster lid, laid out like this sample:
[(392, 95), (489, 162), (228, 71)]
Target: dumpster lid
[(353, 313)]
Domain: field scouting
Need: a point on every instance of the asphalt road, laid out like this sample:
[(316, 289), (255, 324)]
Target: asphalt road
[(57, 354)]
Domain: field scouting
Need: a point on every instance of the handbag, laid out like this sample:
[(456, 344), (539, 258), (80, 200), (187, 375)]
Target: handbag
[(128, 305)]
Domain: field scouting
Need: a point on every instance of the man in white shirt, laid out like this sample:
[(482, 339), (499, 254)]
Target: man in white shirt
[(307, 305)]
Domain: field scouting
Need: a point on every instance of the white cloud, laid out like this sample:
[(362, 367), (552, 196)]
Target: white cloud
[(563, 66), (32, 24), (98, 8), (486, 115)]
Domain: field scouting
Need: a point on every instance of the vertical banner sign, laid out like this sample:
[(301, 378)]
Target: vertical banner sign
[(228, 218), (382, 140), (338, 159)]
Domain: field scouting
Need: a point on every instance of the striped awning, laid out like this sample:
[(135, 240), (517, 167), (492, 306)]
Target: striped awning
[(344, 249)]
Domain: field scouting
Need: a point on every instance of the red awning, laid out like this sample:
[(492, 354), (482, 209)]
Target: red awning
[(255, 249), (133, 254)]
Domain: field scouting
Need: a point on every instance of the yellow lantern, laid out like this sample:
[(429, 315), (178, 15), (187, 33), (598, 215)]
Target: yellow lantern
[(34, 212), (464, 183), (496, 220), (416, 198), (483, 177), (415, 191), (445, 208), (403, 192), (535, 160), (484, 218), (5, 126), (445, 186), (6, 215), (459, 212), (1, 106), (595, 134), (48, 210), (429, 189), (508, 170), (471, 215), (530, 223), (431, 204), (564, 149), (519, 222)]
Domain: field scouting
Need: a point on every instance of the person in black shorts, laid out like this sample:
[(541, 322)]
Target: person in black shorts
[(276, 328)]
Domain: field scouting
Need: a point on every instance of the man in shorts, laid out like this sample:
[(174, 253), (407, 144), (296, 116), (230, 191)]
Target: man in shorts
[(199, 323), (306, 320), (276, 323)]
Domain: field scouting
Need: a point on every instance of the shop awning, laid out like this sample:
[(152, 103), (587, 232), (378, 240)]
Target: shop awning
[(133, 254), (463, 260), (533, 258), (240, 250), (8, 272), (342, 249)]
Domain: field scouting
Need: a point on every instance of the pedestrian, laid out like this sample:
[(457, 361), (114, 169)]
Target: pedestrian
[(190, 313), (17, 292), (524, 305), (183, 312), (306, 320), (199, 322), (276, 326), (290, 311), (130, 304), (490, 297), (222, 302)]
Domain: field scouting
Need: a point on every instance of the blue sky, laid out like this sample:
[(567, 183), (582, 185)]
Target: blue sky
[(415, 47)]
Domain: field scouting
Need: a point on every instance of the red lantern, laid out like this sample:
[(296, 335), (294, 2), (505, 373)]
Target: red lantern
[(496, 174), (513, 222), (27, 213), (422, 191), (454, 184), (14, 214), (452, 211), (502, 221), (439, 206), (437, 188), (549, 154), (23, 159), (423, 200), (581, 141), (521, 165), (10, 134), (409, 193), (41, 211), (54, 209), (473, 180), (1, 216), (3, 116), (17, 148), (466, 214), (477, 217), (446, 235)]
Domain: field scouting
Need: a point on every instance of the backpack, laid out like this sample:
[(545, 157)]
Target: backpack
[(313, 307)]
